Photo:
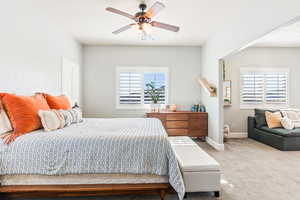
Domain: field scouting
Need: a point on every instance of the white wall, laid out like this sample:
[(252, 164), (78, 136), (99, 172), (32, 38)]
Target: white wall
[(100, 63), (287, 58), (255, 19), (31, 50)]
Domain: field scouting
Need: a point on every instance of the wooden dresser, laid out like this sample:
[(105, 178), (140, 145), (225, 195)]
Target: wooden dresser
[(183, 123)]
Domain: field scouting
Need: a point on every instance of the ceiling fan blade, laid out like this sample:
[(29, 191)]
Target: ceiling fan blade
[(124, 28), (119, 12), (155, 9), (165, 26)]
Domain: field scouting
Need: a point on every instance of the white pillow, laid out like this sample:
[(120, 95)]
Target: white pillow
[(293, 115), (51, 119), (5, 125), (287, 123)]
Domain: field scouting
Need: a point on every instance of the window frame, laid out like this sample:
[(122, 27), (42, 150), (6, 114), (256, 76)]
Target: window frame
[(140, 69), (264, 105)]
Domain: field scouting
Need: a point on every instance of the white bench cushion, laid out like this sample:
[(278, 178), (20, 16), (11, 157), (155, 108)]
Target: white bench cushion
[(191, 157)]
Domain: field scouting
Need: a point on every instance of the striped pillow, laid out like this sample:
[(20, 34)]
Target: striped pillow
[(57, 119), (72, 116)]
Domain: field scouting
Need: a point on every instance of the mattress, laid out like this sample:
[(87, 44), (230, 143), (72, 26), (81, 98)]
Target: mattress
[(82, 179)]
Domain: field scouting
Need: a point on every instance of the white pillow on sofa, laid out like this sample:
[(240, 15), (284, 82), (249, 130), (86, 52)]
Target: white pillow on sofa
[(287, 123), (293, 115)]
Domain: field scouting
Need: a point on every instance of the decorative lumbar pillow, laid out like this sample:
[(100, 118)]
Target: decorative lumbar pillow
[(273, 119), (23, 113), (51, 119), (61, 102), (287, 123), (72, 116), (56, 119), (260, 117)]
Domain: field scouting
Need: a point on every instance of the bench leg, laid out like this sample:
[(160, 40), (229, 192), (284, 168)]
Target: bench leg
[(162, 194), (217, 193), (185, 195)]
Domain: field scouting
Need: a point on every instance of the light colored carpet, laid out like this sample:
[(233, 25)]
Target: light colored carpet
[(251, 171)]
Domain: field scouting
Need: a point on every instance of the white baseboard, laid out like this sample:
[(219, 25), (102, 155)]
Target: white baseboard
[(237, 135), (217, 146)]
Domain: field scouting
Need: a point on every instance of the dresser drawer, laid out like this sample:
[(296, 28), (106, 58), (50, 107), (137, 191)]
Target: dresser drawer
[(198, 116), (197, 124), (177, 132), (177, 124), (174, 117)]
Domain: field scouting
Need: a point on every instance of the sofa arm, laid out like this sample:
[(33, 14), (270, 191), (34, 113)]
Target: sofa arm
[(251, 126)]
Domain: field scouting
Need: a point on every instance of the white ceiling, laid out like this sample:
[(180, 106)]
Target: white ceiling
[(89, 23), (288, 36)]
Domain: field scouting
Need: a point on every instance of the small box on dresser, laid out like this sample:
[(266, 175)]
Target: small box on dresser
[(183, 123)]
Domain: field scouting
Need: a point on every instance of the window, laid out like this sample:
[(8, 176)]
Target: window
[(264, 88), (132, 90)]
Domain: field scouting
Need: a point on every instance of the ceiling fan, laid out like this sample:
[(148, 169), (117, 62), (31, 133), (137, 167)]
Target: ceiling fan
[(143, 19)]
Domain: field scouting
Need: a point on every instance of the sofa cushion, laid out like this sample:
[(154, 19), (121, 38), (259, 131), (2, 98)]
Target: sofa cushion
[(282, 132), (260, 117), (191, 157)]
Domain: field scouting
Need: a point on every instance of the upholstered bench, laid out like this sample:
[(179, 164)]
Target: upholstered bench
[(201, 172)]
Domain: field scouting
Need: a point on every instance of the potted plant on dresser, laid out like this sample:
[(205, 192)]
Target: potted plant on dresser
[(154, 94)]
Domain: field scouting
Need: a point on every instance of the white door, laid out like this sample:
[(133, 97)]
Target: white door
[(70, 79)]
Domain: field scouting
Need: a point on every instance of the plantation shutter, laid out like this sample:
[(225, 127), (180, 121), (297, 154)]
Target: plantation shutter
[(264, 87), (252, 91), (130, 88), (276, 87)]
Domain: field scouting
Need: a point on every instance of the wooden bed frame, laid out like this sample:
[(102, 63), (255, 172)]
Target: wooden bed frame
[(38, 191)]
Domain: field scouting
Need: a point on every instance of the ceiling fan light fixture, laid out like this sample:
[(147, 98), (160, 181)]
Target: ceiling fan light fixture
[(147, 28), (143, 20)]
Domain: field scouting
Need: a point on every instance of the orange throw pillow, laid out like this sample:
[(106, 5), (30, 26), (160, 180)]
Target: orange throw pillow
[(23, 113), (58, 102)]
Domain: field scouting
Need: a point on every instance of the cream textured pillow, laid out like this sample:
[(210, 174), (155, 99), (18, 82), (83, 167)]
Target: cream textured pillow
[(273, 119), (51, 119), (287, 123)]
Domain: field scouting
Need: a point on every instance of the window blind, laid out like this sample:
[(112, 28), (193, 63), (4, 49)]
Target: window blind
[(130, 88), (252, 88), (264, 87), (276, 88)]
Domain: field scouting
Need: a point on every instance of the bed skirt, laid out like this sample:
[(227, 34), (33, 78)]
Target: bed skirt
[(82, 179)]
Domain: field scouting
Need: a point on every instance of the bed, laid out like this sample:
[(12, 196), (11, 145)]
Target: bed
[(97, 156)]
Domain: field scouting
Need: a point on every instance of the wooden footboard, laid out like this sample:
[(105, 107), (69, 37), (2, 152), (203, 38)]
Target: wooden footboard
[(38, 191)]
